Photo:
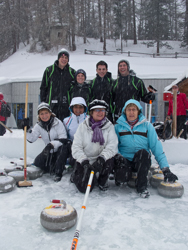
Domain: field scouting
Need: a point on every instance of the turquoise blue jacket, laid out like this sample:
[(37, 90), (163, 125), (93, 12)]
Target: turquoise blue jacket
[(142, 136)]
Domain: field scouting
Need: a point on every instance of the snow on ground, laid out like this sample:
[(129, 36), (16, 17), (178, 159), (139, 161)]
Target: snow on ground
[(116, 219), (25, 66)]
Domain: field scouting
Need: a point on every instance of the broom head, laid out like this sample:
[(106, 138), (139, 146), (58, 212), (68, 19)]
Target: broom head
[(24, 183)]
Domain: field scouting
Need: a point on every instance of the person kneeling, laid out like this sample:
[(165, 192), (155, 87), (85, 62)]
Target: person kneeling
[(136, 138), (53, 157), (94, 146)]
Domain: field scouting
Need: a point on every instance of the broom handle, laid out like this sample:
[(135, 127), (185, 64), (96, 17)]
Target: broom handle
[(5, 127), (77, 232), (25, 130)]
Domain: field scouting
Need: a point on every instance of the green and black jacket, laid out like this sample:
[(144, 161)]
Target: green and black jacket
[(101, 89), (125, 88), (78, 90), (54, 88)]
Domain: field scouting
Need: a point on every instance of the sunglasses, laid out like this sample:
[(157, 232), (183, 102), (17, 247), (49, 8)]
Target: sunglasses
[(100, 110)]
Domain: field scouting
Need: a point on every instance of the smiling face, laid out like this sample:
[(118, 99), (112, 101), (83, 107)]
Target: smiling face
[(98, 114), (80, 78), (63, 60), (123, 69), (131, 112), (101, 70), (44, 115), (78, 109)]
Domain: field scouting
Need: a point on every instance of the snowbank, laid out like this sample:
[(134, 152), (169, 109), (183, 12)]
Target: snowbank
[(13, 146)]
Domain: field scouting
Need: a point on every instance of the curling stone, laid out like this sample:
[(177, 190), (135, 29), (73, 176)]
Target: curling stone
[(17, 175), (131, 182), (153, 168), (12, 168), (7, 184), (156, 179), (2, 172), (153, 172), (170, 190), (58, 217), (34, 172)]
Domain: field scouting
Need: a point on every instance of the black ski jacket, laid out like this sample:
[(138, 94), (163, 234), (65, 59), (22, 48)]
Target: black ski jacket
[(125, 88), (54, 88), (101, 88), (78, 90)]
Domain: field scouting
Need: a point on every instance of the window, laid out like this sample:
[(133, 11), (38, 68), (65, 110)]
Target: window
[(18, 110)]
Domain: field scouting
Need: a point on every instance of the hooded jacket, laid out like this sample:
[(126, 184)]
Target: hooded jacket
[(56, 132), (142, 136), (101, 88), (125, 88), (2, 118), (72, 122), (182, 104), (56, 83), (83, 148), (82, 90)]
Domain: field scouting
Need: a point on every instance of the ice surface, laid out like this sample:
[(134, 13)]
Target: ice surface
[(116, 219)]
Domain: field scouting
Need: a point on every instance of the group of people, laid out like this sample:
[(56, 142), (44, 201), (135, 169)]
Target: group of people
[(83, 130), (102, 87)]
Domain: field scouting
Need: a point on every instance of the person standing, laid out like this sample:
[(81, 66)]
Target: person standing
[(56, 83), (79, 87), (128, 86), (20, 117), (2, 115), (101, 85), (182, 106)]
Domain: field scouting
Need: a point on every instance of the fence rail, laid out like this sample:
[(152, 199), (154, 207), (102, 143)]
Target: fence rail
[(130, 53)]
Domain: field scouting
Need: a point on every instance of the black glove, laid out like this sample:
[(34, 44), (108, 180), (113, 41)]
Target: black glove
[(85, 164), (47, 149), (25, 123), (118, 159), (99, 164), (151, 96), (168, 175)]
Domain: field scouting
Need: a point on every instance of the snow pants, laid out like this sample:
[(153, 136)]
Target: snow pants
[(181, 119), (140, 164), (54, 163), (2, 129), (81, 182)]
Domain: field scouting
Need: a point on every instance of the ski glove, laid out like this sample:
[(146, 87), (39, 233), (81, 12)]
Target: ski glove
[(85, 164), (118, 160), (168, 175), (47, 149), (151, 96), (99, 164), (25, 123)]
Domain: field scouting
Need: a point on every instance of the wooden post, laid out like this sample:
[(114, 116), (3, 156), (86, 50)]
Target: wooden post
[(174, 115)]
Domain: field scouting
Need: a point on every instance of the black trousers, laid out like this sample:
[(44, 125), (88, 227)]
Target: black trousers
[(140, 164), (181, 119), (81, 183), (53, 163), (2, 129)]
